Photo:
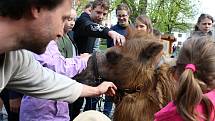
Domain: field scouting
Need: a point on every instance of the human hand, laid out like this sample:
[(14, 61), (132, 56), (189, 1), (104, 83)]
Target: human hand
[(118, 39), (108, 88), (15, 104), (85, 56)]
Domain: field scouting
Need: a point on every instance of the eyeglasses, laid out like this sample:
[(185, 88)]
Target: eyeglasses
[(119, 16)]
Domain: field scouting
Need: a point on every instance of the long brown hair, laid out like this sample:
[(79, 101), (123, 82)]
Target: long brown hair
[(147, 21), (200, 52)]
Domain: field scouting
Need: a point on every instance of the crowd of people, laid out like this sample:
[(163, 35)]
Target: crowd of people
[(44, 44)]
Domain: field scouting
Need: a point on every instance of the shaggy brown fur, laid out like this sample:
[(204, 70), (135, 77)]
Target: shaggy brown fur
[(133, 66)]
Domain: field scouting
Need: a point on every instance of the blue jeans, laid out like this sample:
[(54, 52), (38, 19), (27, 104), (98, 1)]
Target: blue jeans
[(90, 103), (107, 106)]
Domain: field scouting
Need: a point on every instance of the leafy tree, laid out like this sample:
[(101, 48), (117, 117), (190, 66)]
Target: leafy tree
[(169, 15), (166, 15), (80, 4)]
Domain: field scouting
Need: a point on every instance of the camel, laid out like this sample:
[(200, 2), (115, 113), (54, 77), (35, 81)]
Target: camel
[(143, 87)]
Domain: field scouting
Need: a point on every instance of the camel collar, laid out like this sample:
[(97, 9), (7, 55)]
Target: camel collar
[(98, 79)]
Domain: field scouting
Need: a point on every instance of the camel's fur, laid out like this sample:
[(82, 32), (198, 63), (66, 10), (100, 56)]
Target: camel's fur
[(134, 66)]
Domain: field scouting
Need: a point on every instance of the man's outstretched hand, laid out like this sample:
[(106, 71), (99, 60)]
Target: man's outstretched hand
[(104, 88), (118, 39), (108, 88)]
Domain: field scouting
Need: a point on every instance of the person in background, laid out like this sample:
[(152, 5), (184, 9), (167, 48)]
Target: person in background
[(143, 23), (12, 101), (68, 49), (88, 27), (195, 99), (66, 44), (204, 25), (88, 7), (173, 48), (122, 13)]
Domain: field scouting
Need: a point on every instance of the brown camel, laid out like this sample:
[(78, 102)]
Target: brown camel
[(143, 87)]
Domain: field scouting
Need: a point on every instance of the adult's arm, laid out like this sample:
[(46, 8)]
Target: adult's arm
[(27, 75), (85, 26), (110, 42), (53, 60), (24, 74)]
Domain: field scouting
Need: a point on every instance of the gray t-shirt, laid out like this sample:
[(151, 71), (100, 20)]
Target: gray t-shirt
[(21, 72)]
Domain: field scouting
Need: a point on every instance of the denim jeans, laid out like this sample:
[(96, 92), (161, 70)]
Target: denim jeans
[(108, 106)]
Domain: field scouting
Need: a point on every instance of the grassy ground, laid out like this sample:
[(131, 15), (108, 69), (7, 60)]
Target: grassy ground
[(103, 47)]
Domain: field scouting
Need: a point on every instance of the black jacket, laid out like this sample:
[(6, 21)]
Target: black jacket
[(86, 31)]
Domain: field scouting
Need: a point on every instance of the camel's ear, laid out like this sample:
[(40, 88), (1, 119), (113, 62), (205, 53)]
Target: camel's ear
[(151, 51), (113, 57), (130, 32)]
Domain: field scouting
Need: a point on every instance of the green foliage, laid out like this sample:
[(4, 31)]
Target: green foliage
[(166, 15), (136, 7), (169, 15), (80, 7)]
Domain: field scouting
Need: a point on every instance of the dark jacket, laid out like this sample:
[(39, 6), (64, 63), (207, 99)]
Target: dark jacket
[(119, 29), (86, 31)]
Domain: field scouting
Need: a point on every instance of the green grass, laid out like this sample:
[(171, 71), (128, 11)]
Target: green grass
[(103, 47)]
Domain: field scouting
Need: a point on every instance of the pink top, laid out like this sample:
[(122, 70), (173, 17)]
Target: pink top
[(169, 113)]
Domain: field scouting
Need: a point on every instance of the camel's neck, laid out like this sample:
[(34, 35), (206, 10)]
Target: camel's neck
[(136, 107)]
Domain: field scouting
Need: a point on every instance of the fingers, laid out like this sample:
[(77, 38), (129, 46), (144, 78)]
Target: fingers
[(109, 88), (121, 40), (114, 41), (118, 39), (85, 54), (114, 86), (112, 92)]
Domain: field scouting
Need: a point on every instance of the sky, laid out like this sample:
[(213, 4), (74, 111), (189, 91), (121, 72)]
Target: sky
[(207, 6)]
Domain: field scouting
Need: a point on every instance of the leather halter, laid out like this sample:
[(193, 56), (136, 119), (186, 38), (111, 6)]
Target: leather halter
[(128, 90), (98, 79)]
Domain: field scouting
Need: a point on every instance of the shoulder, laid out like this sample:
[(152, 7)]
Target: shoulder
[(82, 21), (83, 17), (168, 113), (211, 96), (16, 61), (19, 55)]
